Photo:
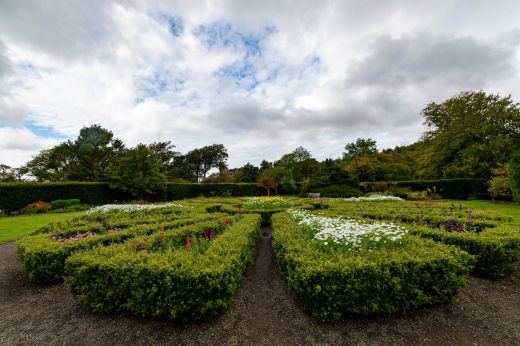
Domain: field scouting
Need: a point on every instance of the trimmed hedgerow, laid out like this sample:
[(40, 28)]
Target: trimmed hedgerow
[(165, 281), (492, 238), (14, 196), (265, 214), (497, 250), (334, 285), (43, 254), (457, 188), (432, 214)]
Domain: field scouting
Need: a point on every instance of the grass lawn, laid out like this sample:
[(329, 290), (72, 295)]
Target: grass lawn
[(506, 209), (15, 227)]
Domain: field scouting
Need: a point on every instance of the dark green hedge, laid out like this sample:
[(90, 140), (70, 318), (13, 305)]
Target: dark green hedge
[(170, 284), (15, 196), (331, 286), (181, 191), (43, 258), (450, 188), (497, 250)]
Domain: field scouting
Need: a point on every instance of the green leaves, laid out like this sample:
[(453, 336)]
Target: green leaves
[(171, 284), (385, 280)]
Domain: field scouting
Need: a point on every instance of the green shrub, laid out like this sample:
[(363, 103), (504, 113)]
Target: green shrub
[(182, 191), (338, 191), (62, 203), (461, 188), (169, 283), (497, 250), (492, 238), (43, 254), (265, 214), (514, 175), (331, 286), (14, 196)]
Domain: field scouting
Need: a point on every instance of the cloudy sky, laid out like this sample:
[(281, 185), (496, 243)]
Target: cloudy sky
[(260, 77)]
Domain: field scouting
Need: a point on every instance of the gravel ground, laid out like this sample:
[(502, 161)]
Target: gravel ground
[(264, 313)]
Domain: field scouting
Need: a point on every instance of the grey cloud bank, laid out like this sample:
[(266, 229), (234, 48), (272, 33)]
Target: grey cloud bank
[(259, 77)]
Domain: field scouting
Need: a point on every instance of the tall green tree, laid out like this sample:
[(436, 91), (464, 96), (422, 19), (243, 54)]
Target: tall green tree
[(471, 133), (95, 148), (9, 174), (56, 164), (165, 153), (248, 173), (300, 162), (361, 147), (137, 171)]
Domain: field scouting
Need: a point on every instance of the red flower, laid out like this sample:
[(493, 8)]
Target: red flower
[(211, 234), (162, 237), (188, 244), (142, 245)]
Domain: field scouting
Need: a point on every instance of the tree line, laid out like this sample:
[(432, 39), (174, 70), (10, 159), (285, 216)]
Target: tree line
[(472, 134)]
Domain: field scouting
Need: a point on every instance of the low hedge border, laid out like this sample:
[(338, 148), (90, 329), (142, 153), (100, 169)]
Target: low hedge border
[(174, 285), (265, 214), (455, 188), (332, 286), (497, 250), (43, 258)]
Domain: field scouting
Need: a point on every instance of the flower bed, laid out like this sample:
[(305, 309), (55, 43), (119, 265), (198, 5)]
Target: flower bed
[(334, 284), (492, 238), (267, 203), (430, 214), (348, 234), (372, 198), (43, 254), (161, 276), (130, 207)]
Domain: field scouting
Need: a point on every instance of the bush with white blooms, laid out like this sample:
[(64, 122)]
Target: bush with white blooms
[(348, 234), (130, 207), (372, 198)]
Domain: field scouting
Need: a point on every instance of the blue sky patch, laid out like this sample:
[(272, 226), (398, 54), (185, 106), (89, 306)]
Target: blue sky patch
[(43, 131), (158, 83)]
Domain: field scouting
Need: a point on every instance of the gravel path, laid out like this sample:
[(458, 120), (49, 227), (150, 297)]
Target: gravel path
[(264, 313)]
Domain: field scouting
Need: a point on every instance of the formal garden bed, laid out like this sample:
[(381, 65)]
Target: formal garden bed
[(185, 260)]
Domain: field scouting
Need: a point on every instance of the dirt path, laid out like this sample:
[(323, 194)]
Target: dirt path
[(264, 313)]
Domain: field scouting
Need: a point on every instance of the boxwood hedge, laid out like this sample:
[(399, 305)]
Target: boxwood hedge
[(497, 250), (43, 256), (331, 286), (165, 283), (492, 238)]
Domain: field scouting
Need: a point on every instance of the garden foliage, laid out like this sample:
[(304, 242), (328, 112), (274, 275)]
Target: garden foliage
[(335, 284)]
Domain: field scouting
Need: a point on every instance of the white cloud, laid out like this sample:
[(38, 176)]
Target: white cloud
[(325, 74), (18, 144)]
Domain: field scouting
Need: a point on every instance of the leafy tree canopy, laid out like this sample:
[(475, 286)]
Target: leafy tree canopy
[(137, 171), (359, 148), (471, 133)]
